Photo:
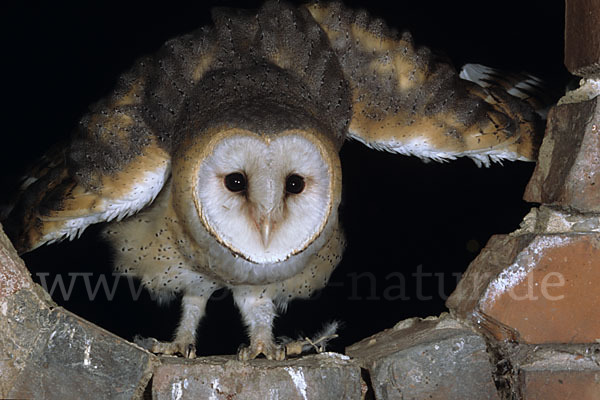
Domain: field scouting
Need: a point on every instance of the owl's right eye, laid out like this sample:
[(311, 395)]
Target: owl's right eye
[(235, 182)]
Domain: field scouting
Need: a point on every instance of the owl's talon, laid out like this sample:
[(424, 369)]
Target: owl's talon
[(190, 351), (270, 350), (187, 350)]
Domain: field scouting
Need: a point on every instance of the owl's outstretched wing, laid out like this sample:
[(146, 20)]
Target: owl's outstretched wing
[(119, 157), (53, 206), (124, 170), (406, 101)]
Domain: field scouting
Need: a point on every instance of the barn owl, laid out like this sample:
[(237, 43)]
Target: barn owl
[(215, 162)]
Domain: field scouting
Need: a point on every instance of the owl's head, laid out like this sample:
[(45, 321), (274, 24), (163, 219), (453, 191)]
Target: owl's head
[(263, 197)]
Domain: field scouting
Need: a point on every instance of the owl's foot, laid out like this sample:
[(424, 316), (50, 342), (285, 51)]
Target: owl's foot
[(183, 348), (270, 350)]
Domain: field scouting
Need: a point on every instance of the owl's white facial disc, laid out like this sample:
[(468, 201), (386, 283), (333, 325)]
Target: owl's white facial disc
[(265, 199)]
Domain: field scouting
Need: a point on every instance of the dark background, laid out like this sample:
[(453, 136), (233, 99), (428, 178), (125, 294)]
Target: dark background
[(401, 215)]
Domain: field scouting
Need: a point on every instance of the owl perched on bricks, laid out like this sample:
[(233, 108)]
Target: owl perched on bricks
[(215, 162)]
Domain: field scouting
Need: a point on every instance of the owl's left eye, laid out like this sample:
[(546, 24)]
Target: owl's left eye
[(235, 182), (294, 184)]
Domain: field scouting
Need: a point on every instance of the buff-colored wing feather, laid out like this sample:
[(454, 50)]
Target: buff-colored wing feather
[(407, 101), (109, 171), (54, 206), (119, 158)]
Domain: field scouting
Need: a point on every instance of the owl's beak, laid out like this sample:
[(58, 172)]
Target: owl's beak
[(265, 226)]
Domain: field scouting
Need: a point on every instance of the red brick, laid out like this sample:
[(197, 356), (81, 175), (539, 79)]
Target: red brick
[(582, 37), (534, 289), (568, 169), (498, 254), (561, 385), (559, 374)]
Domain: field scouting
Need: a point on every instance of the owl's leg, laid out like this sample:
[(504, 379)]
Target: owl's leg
[(193, 309), (258, 312)]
